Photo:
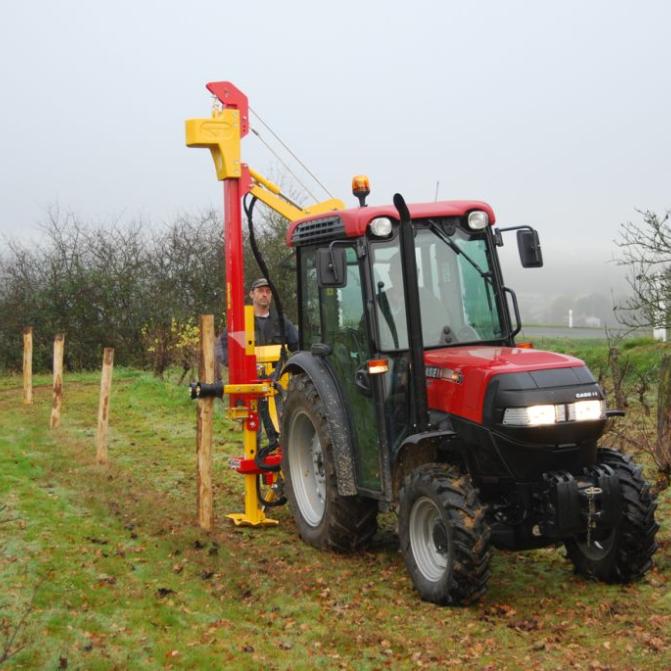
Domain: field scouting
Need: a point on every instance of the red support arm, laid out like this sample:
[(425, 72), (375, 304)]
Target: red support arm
[(242, 367)]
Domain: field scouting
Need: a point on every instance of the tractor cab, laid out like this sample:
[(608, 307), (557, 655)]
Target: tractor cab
[(353, 310)]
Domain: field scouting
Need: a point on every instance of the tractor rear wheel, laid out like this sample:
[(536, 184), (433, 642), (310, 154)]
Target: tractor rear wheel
[(444, 536), (324, 518), (624, 553)]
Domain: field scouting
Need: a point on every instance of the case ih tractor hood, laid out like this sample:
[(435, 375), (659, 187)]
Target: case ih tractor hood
[(460, 381)]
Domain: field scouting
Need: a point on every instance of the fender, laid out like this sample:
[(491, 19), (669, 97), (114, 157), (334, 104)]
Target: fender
[(319, 372)]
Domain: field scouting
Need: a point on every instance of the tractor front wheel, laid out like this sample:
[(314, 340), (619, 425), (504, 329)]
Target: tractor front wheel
[(324, 518), (444, 536), (624, 553)]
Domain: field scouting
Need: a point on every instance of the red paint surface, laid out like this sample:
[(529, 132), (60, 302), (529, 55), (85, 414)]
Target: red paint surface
[(231, 96), (249, 467), (357, 219), (242, 367), (478, 365)]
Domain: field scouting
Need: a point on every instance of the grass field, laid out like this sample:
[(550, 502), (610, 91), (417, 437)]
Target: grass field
[(104, 567)]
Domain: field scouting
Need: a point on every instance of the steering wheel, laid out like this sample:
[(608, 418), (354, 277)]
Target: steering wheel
[(467, 334)]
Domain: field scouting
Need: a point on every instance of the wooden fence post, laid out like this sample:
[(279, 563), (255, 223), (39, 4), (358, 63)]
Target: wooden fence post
[(57, 403), (104, 405), (28, 365), (663, 443), (204, 415)]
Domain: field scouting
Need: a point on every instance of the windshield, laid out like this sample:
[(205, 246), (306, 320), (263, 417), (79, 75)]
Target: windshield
[(456, 292)]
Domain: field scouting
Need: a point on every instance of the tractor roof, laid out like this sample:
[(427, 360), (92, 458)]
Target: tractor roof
[(353, 223)]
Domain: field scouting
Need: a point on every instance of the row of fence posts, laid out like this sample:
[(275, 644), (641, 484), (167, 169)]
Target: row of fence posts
[(57, 397), (204, 411)]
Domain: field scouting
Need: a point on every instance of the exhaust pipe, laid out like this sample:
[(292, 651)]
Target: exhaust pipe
[(420, 411)]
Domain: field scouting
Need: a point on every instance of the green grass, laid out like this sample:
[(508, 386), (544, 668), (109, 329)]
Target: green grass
[(119, 576), (642, 355)]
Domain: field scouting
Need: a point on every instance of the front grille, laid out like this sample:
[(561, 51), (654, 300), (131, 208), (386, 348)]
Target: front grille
[(318, 230)]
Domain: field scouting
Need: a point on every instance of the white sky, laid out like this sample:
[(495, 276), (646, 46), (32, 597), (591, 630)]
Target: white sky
[(557, 113)]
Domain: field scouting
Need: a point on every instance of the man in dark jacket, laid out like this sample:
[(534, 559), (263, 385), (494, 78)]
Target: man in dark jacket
[(267, 331), (267, 328)]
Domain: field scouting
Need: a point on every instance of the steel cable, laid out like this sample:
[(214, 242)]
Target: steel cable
[(284, 144)]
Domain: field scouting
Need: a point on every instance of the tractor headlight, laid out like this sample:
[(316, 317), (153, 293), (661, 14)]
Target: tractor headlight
[(380, 227), (585, 411), (478, 220), (545, 415), (534, 415)]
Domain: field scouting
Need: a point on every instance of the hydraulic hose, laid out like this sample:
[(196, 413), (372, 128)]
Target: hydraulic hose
[(263, 452), (249, 211), (280, 501)]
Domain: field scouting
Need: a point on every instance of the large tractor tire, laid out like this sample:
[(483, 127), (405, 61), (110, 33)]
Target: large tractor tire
[(444, 536), (624, 553), (324, 518)]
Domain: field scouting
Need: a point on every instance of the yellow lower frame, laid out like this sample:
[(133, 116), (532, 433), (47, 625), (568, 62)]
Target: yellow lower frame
[(266, 356), (253, 515)]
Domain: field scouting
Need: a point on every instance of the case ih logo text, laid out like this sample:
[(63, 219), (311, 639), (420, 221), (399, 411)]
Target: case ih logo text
[(587, 394)]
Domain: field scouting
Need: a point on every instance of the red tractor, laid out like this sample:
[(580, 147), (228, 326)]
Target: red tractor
[(409, 394)]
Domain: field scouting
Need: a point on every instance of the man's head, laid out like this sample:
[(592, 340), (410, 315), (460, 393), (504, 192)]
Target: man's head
[(261, 296)]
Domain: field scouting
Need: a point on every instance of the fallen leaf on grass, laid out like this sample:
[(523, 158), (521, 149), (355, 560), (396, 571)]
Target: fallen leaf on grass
[(162, 592), (660, 621), (499, 610), (657, 644), (246, 593), (532, 624)]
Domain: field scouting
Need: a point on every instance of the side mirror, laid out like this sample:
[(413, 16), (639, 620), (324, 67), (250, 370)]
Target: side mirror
[(530, 248), (331, 267)]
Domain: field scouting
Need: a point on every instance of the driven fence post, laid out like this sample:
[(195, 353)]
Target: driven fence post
[(663, 443), (57, 403), (104, 405), (28, 364), (204, 415)]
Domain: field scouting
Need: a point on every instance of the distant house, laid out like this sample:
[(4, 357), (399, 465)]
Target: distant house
[(592, 322)]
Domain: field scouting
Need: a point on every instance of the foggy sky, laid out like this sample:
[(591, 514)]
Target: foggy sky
[(556, 113)]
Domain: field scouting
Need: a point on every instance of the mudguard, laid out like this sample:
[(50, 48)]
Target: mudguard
[(319, 372)]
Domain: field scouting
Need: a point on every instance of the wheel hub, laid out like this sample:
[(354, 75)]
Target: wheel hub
[(440, 538), (318, 468)]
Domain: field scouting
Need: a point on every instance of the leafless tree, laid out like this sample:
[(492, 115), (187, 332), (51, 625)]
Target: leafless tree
[(646, 253)]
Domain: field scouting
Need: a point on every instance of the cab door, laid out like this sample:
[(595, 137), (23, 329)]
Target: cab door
[(344, 330)]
